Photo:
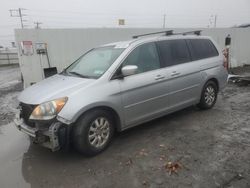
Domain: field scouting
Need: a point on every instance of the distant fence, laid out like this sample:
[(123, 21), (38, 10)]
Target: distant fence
[(8, 58)]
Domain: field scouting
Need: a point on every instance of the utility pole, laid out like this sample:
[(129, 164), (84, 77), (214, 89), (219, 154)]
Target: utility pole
[(215, 21), (164, 20), (18, 13), (37, 24)]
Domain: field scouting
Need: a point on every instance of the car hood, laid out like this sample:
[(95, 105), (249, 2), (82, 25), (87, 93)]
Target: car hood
[(52, 88)]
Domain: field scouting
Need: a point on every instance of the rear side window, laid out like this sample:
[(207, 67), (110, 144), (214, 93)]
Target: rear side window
[(202, 48), (174, 52)]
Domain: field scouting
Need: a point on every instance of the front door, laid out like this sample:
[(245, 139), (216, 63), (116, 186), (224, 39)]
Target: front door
[(143, 94)]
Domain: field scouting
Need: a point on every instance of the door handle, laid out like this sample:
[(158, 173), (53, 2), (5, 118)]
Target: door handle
[(159, 77), (174, 73)]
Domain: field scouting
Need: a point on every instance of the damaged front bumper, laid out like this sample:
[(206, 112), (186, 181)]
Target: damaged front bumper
[(55, 136)]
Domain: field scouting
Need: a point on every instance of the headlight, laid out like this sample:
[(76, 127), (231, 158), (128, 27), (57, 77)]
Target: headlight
[(48, 110)]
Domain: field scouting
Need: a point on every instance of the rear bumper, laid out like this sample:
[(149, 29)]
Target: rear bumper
[(53, 137)]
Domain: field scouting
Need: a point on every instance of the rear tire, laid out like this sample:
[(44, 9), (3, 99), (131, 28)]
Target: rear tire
[(93, 132), (208, 95)]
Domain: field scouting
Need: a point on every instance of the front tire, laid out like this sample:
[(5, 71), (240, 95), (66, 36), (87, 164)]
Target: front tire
[(93, 132), (208, 95)]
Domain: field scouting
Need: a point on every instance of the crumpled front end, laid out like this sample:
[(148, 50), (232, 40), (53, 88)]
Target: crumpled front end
[(51, 134)]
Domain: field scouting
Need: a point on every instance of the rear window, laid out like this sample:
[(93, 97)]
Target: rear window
[(202, 48), (174, 52)]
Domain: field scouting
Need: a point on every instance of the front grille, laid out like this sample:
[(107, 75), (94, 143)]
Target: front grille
[(25, 112)]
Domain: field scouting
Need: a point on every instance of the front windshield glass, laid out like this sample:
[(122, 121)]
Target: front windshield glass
[(95, 63)]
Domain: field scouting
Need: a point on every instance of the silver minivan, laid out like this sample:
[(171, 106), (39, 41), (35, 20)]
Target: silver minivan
[(120, 85)]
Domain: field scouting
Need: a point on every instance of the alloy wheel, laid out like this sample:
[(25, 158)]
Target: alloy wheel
[(210, 95), (99, 132)]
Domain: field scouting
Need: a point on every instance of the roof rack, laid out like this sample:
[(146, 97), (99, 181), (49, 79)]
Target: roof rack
[(170, 32), (195, 32)]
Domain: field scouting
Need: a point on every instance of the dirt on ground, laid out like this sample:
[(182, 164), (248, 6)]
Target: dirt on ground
[(189, 148), (10, 87)]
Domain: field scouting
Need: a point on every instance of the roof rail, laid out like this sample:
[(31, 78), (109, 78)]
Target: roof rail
[(169, 32), (196, 32)]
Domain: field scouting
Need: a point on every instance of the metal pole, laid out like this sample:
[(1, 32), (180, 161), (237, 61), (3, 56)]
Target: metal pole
[(8, 57), (20, 15), (215, 21), (164, 20), (37, 24)]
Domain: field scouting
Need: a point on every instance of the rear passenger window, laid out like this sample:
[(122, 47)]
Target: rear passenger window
[(202, 48), (174, 52)]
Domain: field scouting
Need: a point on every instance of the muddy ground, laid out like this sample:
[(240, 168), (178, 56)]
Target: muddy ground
[(211, 149)]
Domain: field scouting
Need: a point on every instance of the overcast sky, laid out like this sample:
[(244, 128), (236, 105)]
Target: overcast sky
[(137, 13)]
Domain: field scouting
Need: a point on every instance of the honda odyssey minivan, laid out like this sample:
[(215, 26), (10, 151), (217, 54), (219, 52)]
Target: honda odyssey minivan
[(120, 85)]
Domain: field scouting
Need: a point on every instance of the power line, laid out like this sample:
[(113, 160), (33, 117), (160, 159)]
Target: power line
[(88, 13), (18, 13), (92, 19), (201, 13), (5, 36), (7, 26)]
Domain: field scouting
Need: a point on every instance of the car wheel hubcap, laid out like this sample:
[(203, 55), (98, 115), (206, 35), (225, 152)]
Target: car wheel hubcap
[(209, 95), (99, 132)]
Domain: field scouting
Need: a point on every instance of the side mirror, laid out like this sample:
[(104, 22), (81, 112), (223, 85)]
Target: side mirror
[(129, 70)]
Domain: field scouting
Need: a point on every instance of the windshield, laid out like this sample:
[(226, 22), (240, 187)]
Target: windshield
[(95, 63)]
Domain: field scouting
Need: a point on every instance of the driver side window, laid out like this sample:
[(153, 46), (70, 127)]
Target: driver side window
[(145, 57)]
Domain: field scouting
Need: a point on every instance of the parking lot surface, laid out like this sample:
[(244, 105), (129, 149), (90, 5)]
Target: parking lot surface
[(208, 149)]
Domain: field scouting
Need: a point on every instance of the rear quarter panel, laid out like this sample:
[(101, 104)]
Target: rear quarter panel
[(213, 69)]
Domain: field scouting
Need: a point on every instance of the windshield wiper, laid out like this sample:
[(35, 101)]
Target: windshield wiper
[(63, 72), (78, 74)]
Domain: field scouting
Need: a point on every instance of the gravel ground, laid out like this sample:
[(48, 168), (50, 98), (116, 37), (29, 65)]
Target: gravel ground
[(208, 148), (10, 86)]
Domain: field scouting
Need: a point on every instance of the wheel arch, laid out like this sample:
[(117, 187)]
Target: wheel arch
[(213, 79), (202, 104), (109, 109)]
